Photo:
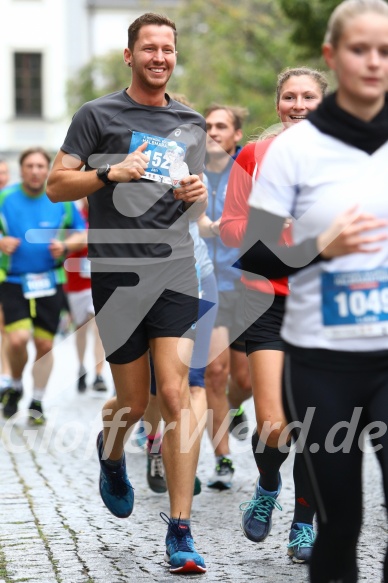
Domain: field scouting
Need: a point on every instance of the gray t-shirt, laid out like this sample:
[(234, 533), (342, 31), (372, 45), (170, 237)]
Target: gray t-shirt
[(139, 221)]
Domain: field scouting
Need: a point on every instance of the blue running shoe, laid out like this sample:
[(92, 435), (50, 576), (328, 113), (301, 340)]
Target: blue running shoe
[(141, 435), (180, 551), (301, 544), (115, 488), (256, 520)]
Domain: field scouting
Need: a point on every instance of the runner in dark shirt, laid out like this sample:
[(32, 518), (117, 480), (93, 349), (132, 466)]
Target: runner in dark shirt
[(144, 282)]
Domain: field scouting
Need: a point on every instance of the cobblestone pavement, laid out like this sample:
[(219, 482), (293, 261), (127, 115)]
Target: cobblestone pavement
[(54, 527)]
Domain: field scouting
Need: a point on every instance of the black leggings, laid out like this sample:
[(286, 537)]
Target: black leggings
[(336, 387)]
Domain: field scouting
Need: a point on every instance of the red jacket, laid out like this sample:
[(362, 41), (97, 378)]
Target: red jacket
[(234, 218), (79, 280)]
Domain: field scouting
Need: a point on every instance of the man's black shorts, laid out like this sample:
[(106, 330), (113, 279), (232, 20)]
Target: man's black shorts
[(153, 301), (43, 312)]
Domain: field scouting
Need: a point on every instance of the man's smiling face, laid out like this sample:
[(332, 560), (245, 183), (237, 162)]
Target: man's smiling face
[(153, 58)]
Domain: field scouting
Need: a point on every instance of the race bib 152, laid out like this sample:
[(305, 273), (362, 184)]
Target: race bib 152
[(162, 152)]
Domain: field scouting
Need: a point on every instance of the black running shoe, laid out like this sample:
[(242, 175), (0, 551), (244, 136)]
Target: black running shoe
[(35, 413), (155, 473), (197, 486), (5, 384), (10, 400), (82, 383), (238, 426), (99, 384), (2, 394)]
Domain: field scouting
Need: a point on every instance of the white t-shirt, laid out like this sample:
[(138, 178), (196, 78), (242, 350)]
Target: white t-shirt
[(341, 304)]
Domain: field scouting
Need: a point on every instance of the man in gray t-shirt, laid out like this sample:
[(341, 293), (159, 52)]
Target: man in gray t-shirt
[(143, 271)]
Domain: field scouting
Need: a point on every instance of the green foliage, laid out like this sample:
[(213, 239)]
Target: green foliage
[(100, 76), (231, 52), (309, 23)]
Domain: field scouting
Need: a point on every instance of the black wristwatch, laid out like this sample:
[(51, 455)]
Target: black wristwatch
[(102, 173)]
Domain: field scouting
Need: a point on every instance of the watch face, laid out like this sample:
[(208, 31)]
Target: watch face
[(102, 173)]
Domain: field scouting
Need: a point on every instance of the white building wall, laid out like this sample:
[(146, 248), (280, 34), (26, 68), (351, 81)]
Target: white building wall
[(34, 26), (68, 33), (109, 30), (77, 36)]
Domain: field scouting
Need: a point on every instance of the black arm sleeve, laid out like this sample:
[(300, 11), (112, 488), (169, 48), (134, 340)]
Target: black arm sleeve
[(266, 256)]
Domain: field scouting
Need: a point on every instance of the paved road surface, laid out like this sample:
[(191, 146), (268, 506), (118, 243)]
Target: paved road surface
[(54, 527)]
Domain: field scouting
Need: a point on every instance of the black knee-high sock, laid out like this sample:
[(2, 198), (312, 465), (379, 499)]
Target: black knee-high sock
[(268, 461), (304, 499)]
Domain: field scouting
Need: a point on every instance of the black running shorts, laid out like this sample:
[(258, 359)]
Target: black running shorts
[(264, 333), (155, 301), (44, 312)]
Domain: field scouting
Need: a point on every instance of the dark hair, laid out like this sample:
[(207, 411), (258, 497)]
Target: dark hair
[(34, 150), (145, 20), (237, 113)]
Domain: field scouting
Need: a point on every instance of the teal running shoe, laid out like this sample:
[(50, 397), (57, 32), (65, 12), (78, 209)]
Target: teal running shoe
[(115, 488), (197, 486), (301, 543), (180, 551), (256, 519)]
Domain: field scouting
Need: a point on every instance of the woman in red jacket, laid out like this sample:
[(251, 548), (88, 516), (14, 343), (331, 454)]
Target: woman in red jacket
[(299, 91)]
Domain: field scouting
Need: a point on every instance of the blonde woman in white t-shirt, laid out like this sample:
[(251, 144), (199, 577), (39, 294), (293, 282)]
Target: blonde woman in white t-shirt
[(329, 173)]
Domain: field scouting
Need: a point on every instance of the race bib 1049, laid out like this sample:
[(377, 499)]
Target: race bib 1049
[(355, 304), (162, 153)]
